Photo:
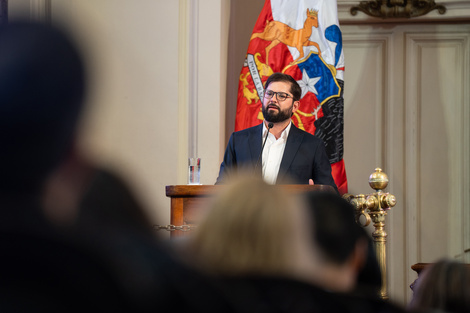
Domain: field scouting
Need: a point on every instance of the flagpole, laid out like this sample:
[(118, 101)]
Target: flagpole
[(193, 79)]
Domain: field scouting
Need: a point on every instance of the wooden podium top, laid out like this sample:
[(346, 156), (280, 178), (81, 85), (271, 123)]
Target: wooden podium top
[(188, 200), (191, 190), (207, 190)]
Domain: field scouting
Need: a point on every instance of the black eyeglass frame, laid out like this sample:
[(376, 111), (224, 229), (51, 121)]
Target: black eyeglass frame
[(278, 94)]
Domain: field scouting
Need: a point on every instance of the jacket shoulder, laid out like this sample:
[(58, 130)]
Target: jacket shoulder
[(248, 131), (307, 137)]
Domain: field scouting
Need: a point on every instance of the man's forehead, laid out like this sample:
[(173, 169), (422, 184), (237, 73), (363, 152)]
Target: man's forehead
[(279, 86)]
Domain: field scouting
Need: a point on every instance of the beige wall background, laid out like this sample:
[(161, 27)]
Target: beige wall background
[(139, 60), (407, 106)]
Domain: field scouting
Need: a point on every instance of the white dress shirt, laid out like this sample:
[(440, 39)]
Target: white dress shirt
[(272, 154)]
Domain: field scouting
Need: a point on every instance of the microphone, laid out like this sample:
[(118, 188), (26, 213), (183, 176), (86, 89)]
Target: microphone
[(270, 125)]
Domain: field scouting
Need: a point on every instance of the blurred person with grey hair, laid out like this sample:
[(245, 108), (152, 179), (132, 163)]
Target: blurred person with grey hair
[(261, 242), (252, 227)]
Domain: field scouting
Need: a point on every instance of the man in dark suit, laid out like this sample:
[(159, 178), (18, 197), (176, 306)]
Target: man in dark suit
[(290, 155)]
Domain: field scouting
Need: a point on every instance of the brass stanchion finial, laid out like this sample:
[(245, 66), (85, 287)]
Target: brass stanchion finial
[(374, 207)]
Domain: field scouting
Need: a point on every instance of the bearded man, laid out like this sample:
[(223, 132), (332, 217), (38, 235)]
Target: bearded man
[(276, 148)]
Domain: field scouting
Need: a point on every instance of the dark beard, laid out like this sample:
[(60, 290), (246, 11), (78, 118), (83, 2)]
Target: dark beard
[(276, 117)]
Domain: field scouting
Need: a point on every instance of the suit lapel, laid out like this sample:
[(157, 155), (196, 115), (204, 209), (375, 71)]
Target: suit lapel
[(255, 142), (293, 143)]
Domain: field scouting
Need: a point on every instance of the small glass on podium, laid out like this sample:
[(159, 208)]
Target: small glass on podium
[(194, 174)]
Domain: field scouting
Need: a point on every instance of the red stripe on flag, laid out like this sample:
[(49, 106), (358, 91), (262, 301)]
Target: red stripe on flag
[(338, 172)]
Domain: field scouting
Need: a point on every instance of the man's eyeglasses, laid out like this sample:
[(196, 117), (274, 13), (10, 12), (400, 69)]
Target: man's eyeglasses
[(280, 96)]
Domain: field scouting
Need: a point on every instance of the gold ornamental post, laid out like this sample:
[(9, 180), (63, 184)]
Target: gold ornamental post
[(374, 207)]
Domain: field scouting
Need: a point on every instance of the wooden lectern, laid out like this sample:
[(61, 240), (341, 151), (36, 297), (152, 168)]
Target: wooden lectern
[(187, 201)]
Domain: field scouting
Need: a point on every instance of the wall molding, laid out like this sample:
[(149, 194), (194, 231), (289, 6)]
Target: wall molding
[(457, 11), (455, 216)]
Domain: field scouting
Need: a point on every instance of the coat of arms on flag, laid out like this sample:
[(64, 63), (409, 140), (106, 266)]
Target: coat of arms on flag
[(301, 38)]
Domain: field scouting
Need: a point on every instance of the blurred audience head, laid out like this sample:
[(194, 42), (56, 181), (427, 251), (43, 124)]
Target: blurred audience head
[(340, 243), (42, 87), (109, 204), (253, 228), (443, 286)]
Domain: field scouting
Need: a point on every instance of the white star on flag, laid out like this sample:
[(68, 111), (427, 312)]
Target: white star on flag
[(307, 84)]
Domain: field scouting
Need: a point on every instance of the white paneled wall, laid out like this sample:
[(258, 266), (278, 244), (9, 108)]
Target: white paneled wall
[(407, 111)]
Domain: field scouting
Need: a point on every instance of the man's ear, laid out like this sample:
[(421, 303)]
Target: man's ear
[(295, 106)]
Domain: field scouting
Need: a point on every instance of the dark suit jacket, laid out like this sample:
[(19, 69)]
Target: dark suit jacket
[(277, 294), (109, 269), (304, 157)]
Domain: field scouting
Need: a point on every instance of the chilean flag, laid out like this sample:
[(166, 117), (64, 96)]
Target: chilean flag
[(301, 38)]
